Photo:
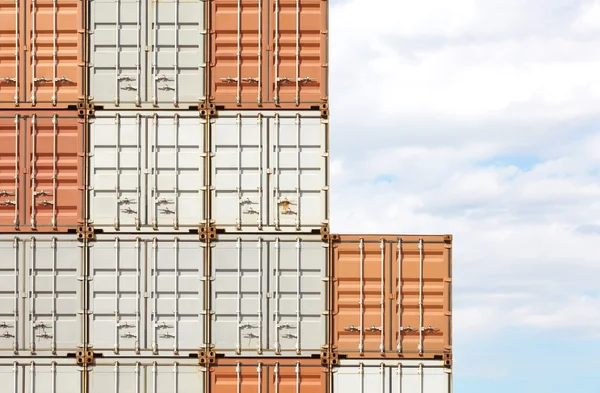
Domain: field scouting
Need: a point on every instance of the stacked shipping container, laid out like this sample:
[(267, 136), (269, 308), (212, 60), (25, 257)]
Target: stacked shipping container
[(164, 211)]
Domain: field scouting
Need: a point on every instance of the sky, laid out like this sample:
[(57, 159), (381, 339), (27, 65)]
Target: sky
[(481, 118)]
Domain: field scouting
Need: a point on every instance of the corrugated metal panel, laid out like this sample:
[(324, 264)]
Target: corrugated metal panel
[(147, 376), (270, 171), (269, 55), (147, 171), (146, 295), (269, 295), (370, 302), (40, 376), (391, 376), (41, 157), (41, 295), (147, 54), (268, 375), (40, 48)]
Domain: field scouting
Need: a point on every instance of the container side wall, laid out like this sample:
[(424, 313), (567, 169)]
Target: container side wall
[(166, 322), (43, 295)]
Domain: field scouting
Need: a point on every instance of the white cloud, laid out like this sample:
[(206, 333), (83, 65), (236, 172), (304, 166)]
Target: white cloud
[(484, 118)]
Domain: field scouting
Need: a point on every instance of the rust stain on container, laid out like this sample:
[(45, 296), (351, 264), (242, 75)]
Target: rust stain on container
[(392, 296), (268, 55), (41, 53), (251, 375), (41, 171)]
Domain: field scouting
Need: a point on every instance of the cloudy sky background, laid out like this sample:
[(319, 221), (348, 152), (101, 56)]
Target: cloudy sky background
[(481, 118)]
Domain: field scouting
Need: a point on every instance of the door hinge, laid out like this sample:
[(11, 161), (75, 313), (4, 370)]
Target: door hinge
[(86, 232)]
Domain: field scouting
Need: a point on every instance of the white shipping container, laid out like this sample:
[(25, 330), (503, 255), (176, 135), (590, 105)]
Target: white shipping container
[(269, 171), (41, 295), (147, 376), (147, 54), (269, 295), (40, 376), (146, 295), (147, 171), (392, 376)]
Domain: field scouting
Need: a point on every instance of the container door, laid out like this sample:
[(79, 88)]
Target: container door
[(40, 376), (117, 52), (361, 321), (11, 276), (116, 296), (118, 152), (176, 149), (297, 377), (238, 296), (238, 169), (177, 66), (12, 128), (147, 376), (299, 61), (12, 38), (298, 161), (54, 61), (422, 298), (298, 301), (175, 321), (363, 379), (55, 194), (419, 378), (238, 63), (240, 377), (53, 269)]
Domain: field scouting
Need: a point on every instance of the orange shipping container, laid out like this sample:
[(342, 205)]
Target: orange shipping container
[(268, 54), (268, 375), (392, 296), (41, 171), (41, 53)]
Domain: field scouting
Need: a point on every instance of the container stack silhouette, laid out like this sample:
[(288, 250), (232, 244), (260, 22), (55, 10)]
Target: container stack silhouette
[(164, 211)]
